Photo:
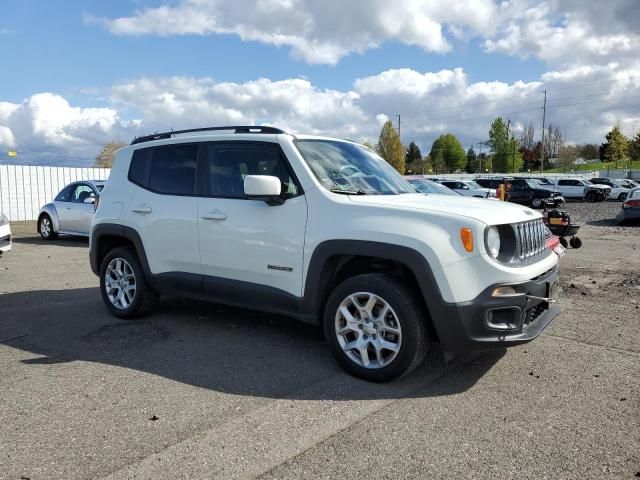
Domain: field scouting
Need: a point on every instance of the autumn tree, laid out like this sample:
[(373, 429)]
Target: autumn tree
[(450, 150), (390, 147), (105, 158)]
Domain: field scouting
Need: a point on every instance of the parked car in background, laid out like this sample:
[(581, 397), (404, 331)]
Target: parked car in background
[(578, 188), (425, 185), (71, 211), (468, 188), (631, 206), (5, 234), (619, 188), (525, 191)]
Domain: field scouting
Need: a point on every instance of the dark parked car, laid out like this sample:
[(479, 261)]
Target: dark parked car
[(525, 191)]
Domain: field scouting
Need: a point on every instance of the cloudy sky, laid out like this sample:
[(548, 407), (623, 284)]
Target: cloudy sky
[(79, 73)]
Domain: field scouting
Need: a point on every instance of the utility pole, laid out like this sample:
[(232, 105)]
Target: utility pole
[(544, 115), (480, 154), (398, 115)]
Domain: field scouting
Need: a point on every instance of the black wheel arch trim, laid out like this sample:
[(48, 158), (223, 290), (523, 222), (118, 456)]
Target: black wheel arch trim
[(115, 230), (321, 269)]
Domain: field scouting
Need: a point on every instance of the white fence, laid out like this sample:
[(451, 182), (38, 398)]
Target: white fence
[(24, 188)]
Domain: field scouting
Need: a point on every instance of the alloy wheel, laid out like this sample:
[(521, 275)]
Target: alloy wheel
[(120, 283), (368, 330), (45, 227)]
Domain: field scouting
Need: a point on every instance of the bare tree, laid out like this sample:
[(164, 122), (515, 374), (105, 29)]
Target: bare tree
[(527, 141)]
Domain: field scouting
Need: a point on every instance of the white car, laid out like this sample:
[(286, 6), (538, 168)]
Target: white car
[(71, 211), (469, 188), (326, 231), (5, 234), (578, 188), (619, 187)]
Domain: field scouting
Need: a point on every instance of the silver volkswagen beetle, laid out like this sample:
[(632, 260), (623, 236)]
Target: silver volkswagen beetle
[(72, 210)]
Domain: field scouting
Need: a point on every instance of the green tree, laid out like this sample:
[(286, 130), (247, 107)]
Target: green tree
[(390, 147), (588, 151), (413, 158), (451, 151), (105, 158), (634, 148), (472, 161), (616, 148), (505, 150)]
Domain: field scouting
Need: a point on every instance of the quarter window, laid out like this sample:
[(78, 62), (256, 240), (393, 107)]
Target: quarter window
[(173, 169)]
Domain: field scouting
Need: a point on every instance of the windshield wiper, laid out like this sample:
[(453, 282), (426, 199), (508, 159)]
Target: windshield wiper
[(348, 192)]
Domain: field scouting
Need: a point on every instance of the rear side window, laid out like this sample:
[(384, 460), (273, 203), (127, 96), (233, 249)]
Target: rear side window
[(138, 167), (564, 182), (229, 164), (173, 169)]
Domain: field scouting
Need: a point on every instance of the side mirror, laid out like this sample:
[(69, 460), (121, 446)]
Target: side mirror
[(263, 187), (90, 200)]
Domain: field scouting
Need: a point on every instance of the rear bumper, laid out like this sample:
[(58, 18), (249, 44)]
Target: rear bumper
[(629, 214), (472, 326)]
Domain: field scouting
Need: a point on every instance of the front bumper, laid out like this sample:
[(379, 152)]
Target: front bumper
[(471, 326), (5, 238)]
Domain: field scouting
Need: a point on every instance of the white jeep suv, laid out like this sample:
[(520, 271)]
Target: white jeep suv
[(326, 231)]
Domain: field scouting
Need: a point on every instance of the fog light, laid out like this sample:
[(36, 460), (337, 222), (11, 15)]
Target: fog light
[(504, 292)]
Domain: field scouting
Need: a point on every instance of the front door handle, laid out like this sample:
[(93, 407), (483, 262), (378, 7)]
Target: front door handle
[(143, 210), (217, 215)]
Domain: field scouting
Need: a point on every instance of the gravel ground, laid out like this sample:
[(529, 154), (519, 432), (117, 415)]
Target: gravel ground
[(203, 391)]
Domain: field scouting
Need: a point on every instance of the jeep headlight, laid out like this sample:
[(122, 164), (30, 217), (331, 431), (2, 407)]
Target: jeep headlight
[(3, 219), (493, 241)]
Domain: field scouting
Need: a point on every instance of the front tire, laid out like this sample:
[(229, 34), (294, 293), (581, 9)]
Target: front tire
[(622, 197), (124, 288), (375, 327), (536, 202), (45, 228)]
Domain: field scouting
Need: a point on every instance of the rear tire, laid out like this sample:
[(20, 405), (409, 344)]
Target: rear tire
[(45, 228), (563, 242), (575, 242), (375, 327), (124, 288)]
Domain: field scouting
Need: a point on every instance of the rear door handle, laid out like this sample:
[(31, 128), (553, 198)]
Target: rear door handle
[(217, 215), (143, 210)]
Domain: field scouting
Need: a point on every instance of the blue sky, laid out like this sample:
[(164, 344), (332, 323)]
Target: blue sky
[(90, 70), (68, 55)]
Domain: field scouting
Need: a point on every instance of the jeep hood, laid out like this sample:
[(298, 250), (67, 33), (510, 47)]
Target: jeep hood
[(491, 212)]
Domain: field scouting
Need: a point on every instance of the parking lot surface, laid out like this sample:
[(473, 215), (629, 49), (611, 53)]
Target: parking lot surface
[(198, 390)]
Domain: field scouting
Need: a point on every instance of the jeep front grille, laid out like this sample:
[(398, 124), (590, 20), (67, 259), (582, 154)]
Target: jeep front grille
[(530, 239)]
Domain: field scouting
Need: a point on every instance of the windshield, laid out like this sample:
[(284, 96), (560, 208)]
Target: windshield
[(427, 186), (351, 168), (533, 183), (473, 184)]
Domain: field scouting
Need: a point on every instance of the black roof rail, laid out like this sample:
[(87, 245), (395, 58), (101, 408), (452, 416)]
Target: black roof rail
[(235, 128)]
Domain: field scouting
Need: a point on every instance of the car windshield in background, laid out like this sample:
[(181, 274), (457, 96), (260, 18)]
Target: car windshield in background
[(634, 194), (473, 184), (533, 183), (428, 186), (351, 168)]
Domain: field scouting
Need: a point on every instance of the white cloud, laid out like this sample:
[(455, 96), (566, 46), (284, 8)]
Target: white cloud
[(46, 127), (316, 32), (584, 102)]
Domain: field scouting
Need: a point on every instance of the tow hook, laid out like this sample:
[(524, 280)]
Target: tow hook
[(544, 299)]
